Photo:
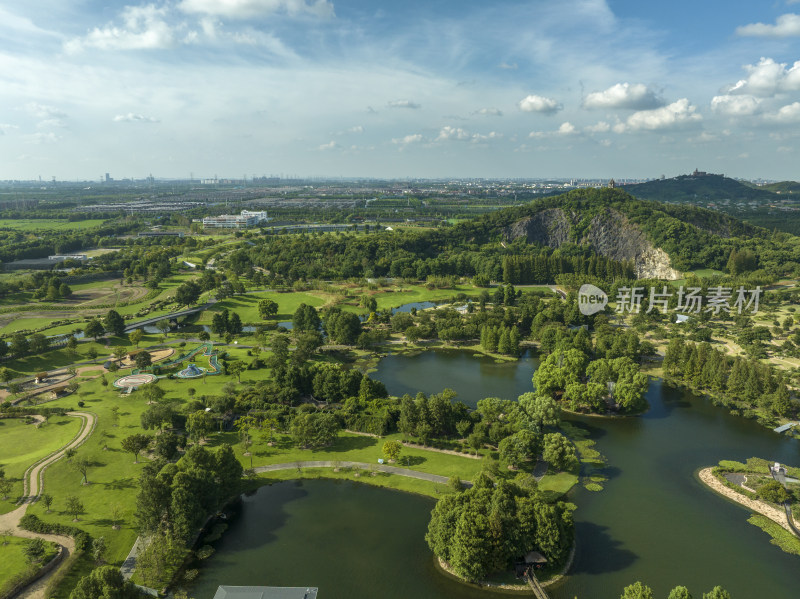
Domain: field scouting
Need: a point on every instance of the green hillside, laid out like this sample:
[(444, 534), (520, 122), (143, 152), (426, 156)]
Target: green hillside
[(701, 188)]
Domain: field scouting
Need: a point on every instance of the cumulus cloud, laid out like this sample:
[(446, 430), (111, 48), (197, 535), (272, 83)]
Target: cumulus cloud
[(729, 105), (489, 112), (404, 104), (564, 130), (508, 66), (247, 9), (786, 114), (331, 145), (678, 114), (452, 133), (768, 78), (601, 127), (144, 28), (787, 25), (44, 111), (134, 118), (414, 138), (624, 95), (478, 137), (534, 103)]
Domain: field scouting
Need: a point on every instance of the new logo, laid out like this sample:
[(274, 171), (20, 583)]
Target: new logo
[(591, 299)]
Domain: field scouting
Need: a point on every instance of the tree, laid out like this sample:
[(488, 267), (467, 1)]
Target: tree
[(774, 492), (105, 582), (717, 593), (19, 345), (153, 393), (156, 416), (94, 328), (114, 323), (167, 445), (135, 336), (637, 591), (99, 550), (5, 487), (92, 353), (143, 359), (236, 368), (559, 452), (313, 430), (188, 293), (135, 444), (679, 593), (164, 326), (392, 449), (200, 424), (116, 516), (39, 343), (74, 507), (267, 308), (305, 318), (35, 549), (81, 464), (235, 326), (47, 500), (72, 344)]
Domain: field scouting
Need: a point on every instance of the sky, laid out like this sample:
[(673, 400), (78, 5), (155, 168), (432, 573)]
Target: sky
[(412, 89)]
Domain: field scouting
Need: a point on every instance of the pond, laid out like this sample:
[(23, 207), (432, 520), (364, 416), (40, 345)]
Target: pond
[(349, 539), (654, 521)]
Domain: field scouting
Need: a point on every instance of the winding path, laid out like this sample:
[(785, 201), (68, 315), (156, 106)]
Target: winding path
[(434, 478), (774, 514), (33, 485)]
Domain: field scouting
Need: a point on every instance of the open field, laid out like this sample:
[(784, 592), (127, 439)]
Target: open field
[(24, 444), (13, 561), (48, 224)]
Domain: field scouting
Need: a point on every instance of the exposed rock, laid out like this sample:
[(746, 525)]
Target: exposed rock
[(610, 234)]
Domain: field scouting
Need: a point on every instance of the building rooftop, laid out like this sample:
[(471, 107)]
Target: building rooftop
[(231, 592)]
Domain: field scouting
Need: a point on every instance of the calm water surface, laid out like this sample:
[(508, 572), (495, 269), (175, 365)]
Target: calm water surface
[(653, 522)]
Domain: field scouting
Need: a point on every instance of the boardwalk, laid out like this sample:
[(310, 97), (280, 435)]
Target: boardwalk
[(535, 586), (434, 478)]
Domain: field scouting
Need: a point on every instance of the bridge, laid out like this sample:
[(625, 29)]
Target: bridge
[(141, 323), (537, 588)]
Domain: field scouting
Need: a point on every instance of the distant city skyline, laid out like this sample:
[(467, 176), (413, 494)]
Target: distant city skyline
[(419, 89)]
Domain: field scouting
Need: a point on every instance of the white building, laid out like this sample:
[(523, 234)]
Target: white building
[(235, 221)]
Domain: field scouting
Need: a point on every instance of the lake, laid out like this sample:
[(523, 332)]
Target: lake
[(654, 521)]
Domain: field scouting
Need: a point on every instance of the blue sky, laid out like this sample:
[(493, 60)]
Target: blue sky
[(436, 88)]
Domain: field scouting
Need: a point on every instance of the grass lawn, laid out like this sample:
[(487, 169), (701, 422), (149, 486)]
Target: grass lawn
[(13, 561), (246, 306), (388, 298), (48, 224), (24, 444), (60, 358), (558, 483)]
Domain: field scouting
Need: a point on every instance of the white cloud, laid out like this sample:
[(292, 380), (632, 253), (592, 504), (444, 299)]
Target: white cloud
[(356, 129), (564, 130), (409, 139), (134, 118), (331, 145), (404, 104), (567, 128), (768, 78), (601, 127), (448, 133), (247, 9), (43, 138), (477, 138), (534, 103), (704, 137), (489, 112), (624, 95), (787, 25), (786, 114), (679, 113), (144, 29), (44, 111), (6, 127), (513, 66), (729, 105)]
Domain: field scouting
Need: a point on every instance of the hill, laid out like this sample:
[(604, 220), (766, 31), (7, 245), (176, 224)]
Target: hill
[(780, 188), (701, 188)]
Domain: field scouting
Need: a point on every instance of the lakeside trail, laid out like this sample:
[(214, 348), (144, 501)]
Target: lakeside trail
[(776, 515), (434, 478), (34, 485)]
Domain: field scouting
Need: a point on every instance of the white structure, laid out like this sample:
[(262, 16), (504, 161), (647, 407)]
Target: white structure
[(235, 221)]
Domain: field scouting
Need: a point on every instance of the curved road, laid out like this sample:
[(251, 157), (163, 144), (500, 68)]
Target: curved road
[(434, 478), (33, 485)]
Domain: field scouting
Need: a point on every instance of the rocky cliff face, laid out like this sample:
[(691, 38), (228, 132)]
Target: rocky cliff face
[(609, 234)]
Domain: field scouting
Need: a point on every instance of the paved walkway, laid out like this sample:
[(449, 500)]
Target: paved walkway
[(434, 478), (34, 484), (773, 513)]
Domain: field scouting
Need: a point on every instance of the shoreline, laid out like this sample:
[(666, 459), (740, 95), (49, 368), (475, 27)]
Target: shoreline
[(778, 516)]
